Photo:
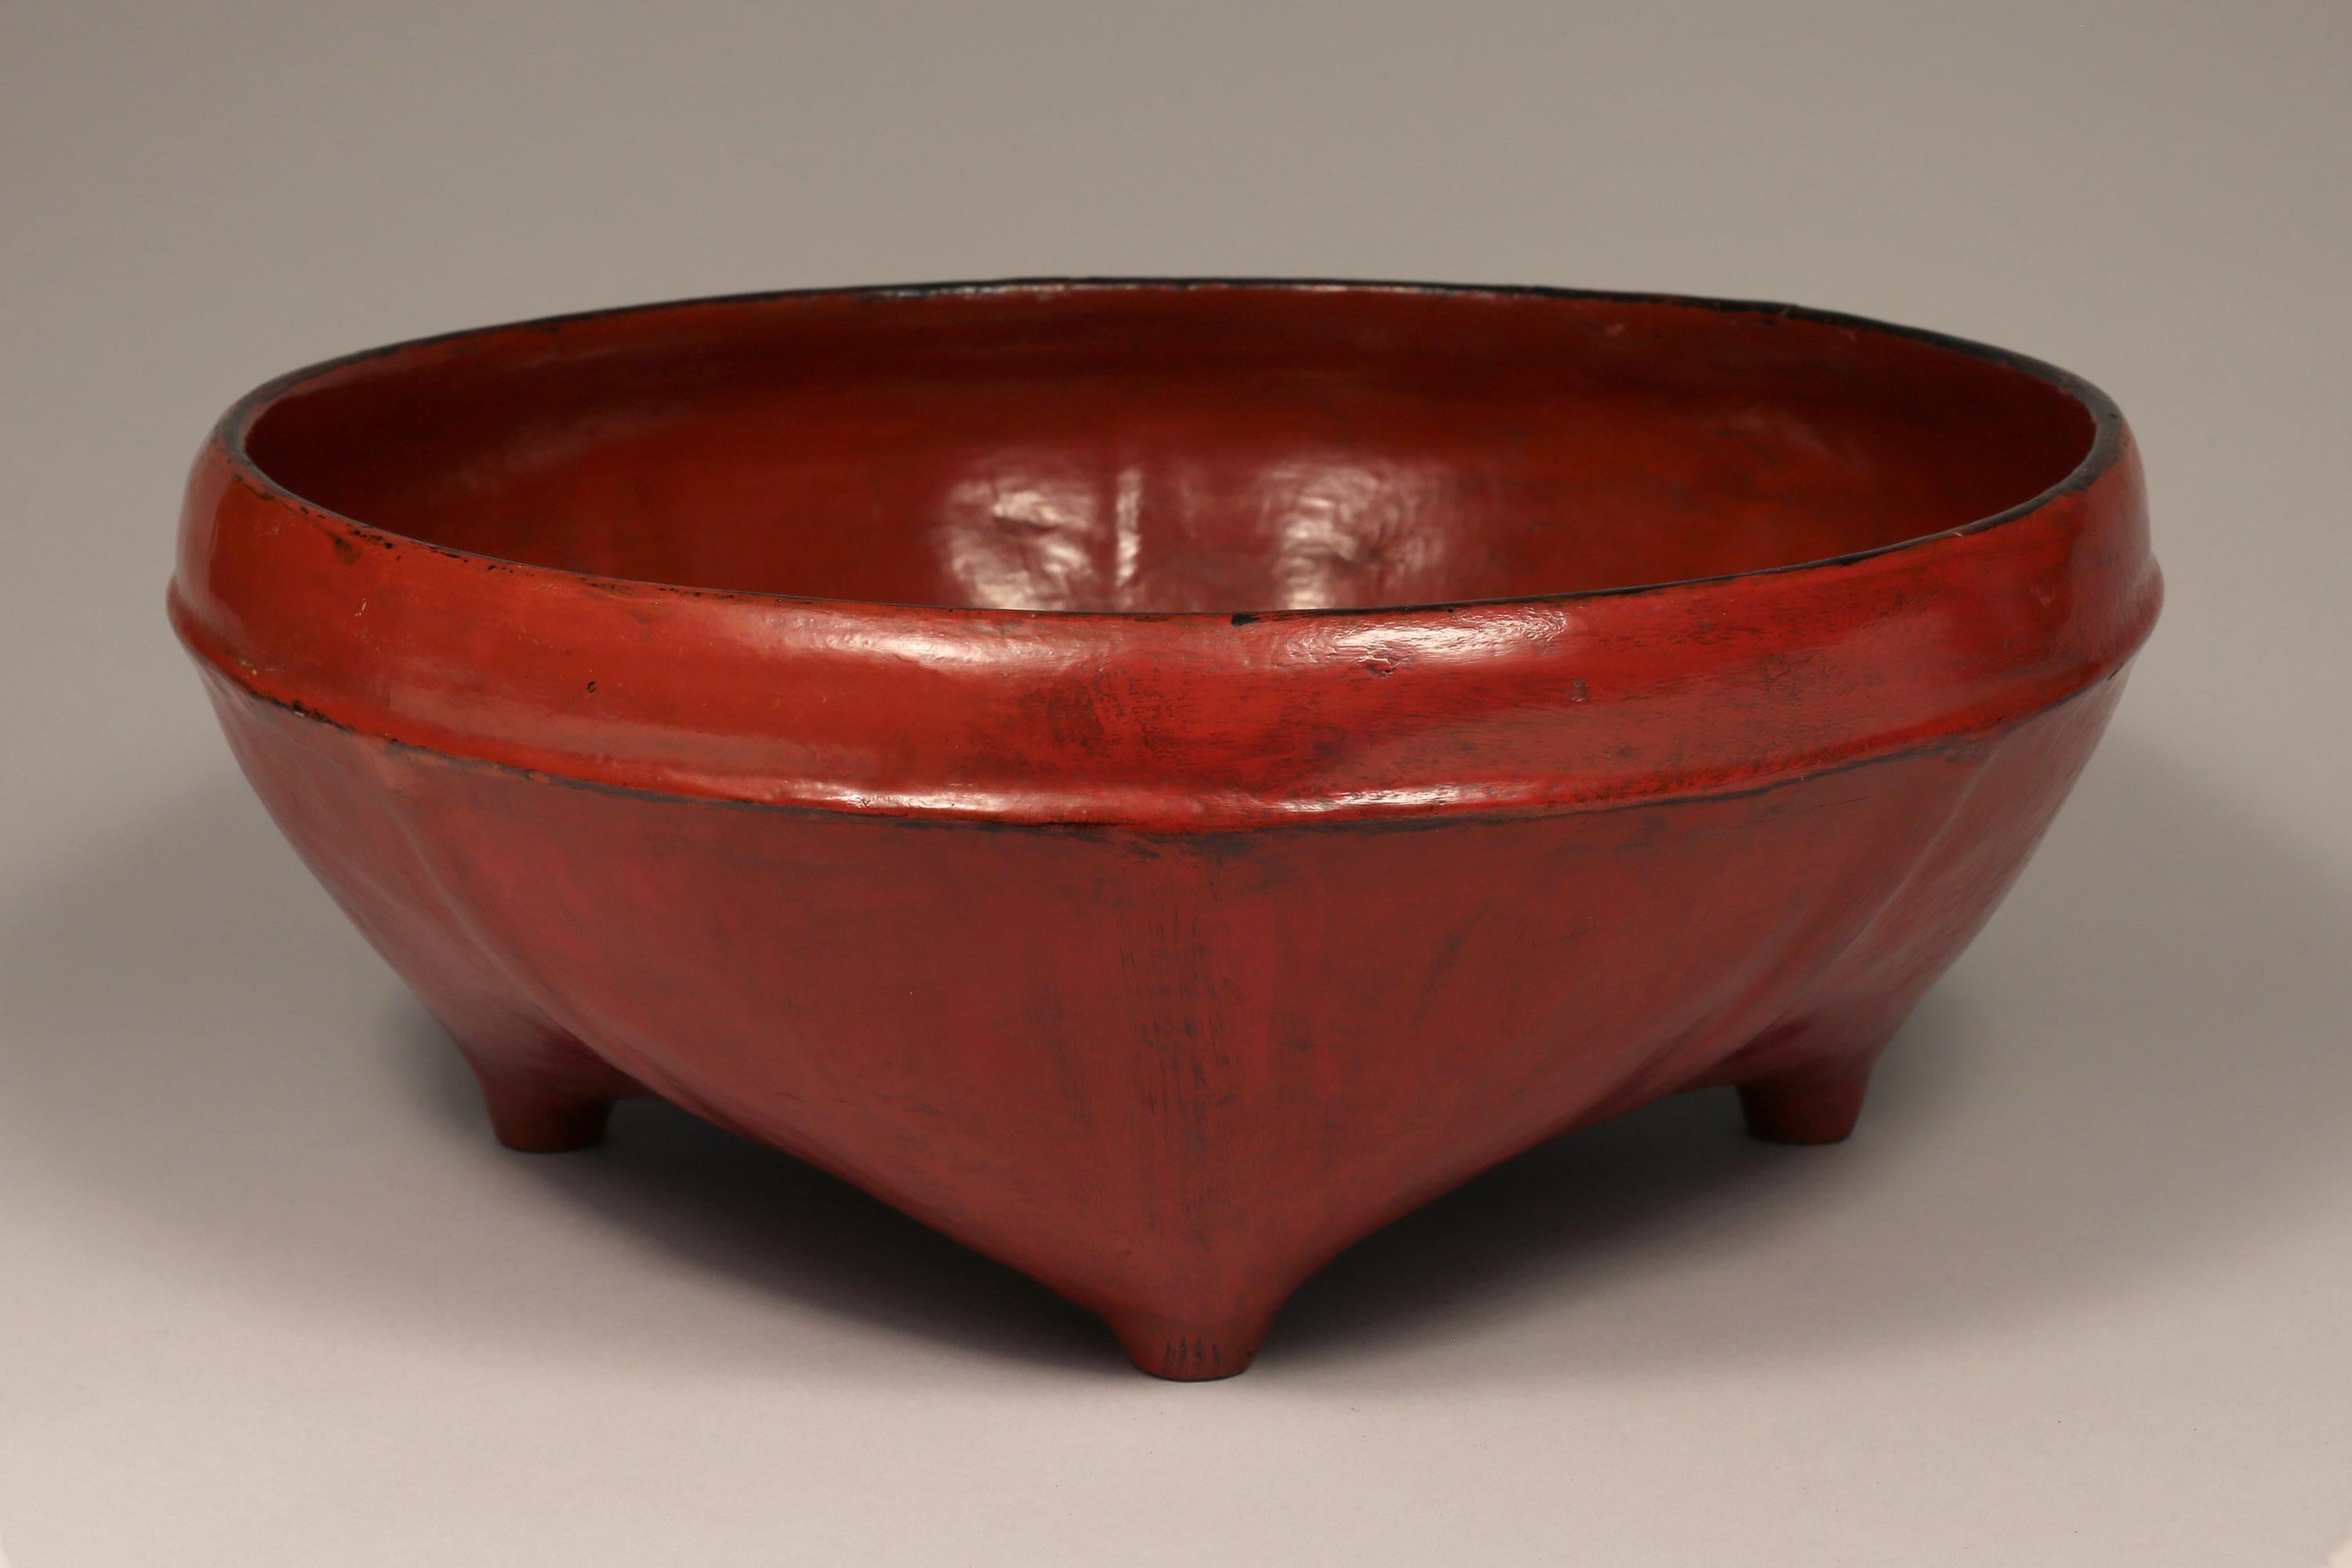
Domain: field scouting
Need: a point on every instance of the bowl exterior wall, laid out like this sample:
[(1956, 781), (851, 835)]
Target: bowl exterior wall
[(1167, 1074)]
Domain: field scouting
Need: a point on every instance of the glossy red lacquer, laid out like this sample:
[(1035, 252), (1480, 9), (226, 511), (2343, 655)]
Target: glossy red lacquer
[(1157, 780)]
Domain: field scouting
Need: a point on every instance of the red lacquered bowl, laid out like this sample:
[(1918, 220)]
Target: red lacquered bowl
[(1159, 779)]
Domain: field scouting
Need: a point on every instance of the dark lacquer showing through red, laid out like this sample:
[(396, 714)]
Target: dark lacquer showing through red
[(1158, 779)]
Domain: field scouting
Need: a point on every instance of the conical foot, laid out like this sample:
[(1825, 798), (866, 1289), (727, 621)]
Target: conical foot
[(1190, 1351), (536, 1120), (1810, 1105), (545, 1094)]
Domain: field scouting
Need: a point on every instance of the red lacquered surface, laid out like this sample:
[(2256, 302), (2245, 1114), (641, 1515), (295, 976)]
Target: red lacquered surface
[(1159, 780)]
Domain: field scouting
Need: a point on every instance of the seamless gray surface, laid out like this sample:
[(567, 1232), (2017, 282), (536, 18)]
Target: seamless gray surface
[(2079, 1293)]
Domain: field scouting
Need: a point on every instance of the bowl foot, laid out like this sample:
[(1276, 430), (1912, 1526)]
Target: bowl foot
[(1185, 1352), (544, 1094), (1810, 1105), (534, 1122)]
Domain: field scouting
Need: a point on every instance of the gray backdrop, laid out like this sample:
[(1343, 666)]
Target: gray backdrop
[(2081, 1291)]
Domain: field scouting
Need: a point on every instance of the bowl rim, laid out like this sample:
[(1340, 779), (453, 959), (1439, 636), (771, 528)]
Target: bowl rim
[(2106, 446)]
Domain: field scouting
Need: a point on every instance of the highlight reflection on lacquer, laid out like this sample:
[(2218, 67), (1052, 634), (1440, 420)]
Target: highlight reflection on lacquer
[(1159, 779)]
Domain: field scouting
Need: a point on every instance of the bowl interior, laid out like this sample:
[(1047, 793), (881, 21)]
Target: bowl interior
[(1165, 447)]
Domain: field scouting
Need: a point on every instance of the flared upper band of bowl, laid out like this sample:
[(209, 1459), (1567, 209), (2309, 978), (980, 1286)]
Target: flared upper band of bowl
[(1150, 583)]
